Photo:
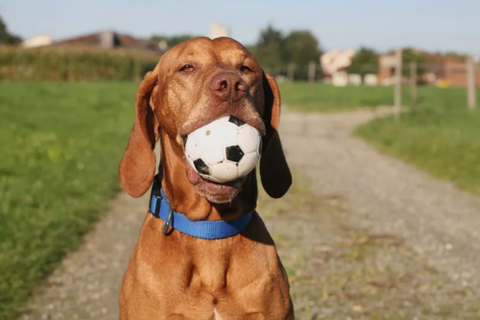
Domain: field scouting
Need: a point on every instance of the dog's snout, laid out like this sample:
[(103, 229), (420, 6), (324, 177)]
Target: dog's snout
[(228, 86)]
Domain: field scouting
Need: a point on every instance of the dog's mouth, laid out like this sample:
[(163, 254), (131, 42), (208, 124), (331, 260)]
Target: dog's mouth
[(213, 191), (256, 122), (216, 192)]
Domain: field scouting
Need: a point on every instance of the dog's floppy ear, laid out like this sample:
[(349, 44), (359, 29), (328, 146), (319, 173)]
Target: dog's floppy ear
[(137, 167), (274, 171)]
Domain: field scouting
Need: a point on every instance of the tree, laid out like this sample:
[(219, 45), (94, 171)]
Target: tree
[(270, 35), (269, 57), (6, 37), (410, 55), (456, 55), (270, 50), (301, 47), (172, 41), (364, 62)]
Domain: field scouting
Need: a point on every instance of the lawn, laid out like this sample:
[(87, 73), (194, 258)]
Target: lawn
[(61, 145), (443, 143), (327, 98)]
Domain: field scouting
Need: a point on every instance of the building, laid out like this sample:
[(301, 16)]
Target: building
[(334, 65), (336, 61), (218, 30), (438, 69), (110, 39), (37, 41)]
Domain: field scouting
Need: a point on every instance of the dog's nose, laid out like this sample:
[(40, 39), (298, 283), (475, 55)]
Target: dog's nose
[(228, 86)]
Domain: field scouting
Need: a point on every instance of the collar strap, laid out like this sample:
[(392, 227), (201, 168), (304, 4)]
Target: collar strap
[(209, 230)]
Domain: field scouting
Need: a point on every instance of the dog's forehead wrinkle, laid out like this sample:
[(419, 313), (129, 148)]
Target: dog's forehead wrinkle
[(231, 57)]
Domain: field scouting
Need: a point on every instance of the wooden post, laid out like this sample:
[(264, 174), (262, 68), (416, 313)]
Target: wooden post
[(471, 84), (413, 84), (291, 72), (398, 85), (312, 68)]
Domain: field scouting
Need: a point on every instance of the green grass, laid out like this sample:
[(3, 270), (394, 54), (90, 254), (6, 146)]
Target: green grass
[(61, 145), (445, 144), (297, 96), (326, 98)]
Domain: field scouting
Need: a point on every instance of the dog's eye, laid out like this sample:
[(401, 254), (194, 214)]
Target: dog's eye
[(246, 69), (187, 68)]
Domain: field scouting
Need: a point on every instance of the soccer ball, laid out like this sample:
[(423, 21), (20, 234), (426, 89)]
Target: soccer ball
[(223, 150)]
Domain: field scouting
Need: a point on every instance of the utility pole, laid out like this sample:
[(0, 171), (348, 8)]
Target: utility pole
[(398, 85), (413, 84), (291, 72), (312, 68), (471, 84)]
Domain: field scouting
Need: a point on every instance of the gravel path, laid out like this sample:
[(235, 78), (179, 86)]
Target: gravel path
[(386, 195), (376, 192)]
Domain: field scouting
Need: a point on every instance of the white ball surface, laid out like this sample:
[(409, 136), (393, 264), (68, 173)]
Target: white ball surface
[(223, 150)]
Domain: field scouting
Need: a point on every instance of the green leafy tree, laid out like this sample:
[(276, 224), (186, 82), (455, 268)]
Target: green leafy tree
[(270, 50), (301, 48), (456, 55), (172, 41), (364, 62), (270, 35), (409, 55), (6, 37)]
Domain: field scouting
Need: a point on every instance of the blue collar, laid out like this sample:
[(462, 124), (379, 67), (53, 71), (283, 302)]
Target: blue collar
[(209, 230)]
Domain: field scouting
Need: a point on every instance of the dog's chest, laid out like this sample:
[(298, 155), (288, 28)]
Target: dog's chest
[(217, 315)]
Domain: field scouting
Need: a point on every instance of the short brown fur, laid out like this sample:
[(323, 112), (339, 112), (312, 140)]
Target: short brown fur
[(178, 276)]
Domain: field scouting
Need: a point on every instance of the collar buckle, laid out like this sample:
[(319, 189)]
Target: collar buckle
[(167, 224)]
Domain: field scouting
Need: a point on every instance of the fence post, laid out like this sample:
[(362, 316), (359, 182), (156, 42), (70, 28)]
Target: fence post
[(398, 85), (312, 68), (413, 84), (291, 72), (471, 84)]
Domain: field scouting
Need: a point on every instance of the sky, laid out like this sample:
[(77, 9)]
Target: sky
[(434, 25)]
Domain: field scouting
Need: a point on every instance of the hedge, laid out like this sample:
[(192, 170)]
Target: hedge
[(73, 65)]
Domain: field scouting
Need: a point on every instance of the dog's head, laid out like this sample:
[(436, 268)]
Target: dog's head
[(193, 84)]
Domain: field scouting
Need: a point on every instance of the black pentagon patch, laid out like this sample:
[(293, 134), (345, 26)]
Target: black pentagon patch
[(234, 153), (236, 121), (201, 166)]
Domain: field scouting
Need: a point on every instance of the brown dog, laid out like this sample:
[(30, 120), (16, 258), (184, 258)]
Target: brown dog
[(174, 275)]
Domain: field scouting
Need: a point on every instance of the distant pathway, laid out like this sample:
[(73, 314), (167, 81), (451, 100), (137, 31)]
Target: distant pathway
[(381, 194)]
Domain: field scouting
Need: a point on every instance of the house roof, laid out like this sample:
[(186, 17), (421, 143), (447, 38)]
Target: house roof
[(114, 40), (431, 57)]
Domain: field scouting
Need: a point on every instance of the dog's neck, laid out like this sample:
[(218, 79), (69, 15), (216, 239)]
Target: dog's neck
[(185, 199)]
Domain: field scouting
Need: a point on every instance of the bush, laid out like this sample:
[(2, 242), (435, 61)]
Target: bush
[(72, 65)]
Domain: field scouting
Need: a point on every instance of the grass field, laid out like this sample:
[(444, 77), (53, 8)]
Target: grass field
[(61, 144), (328, 98), (444, 144)]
